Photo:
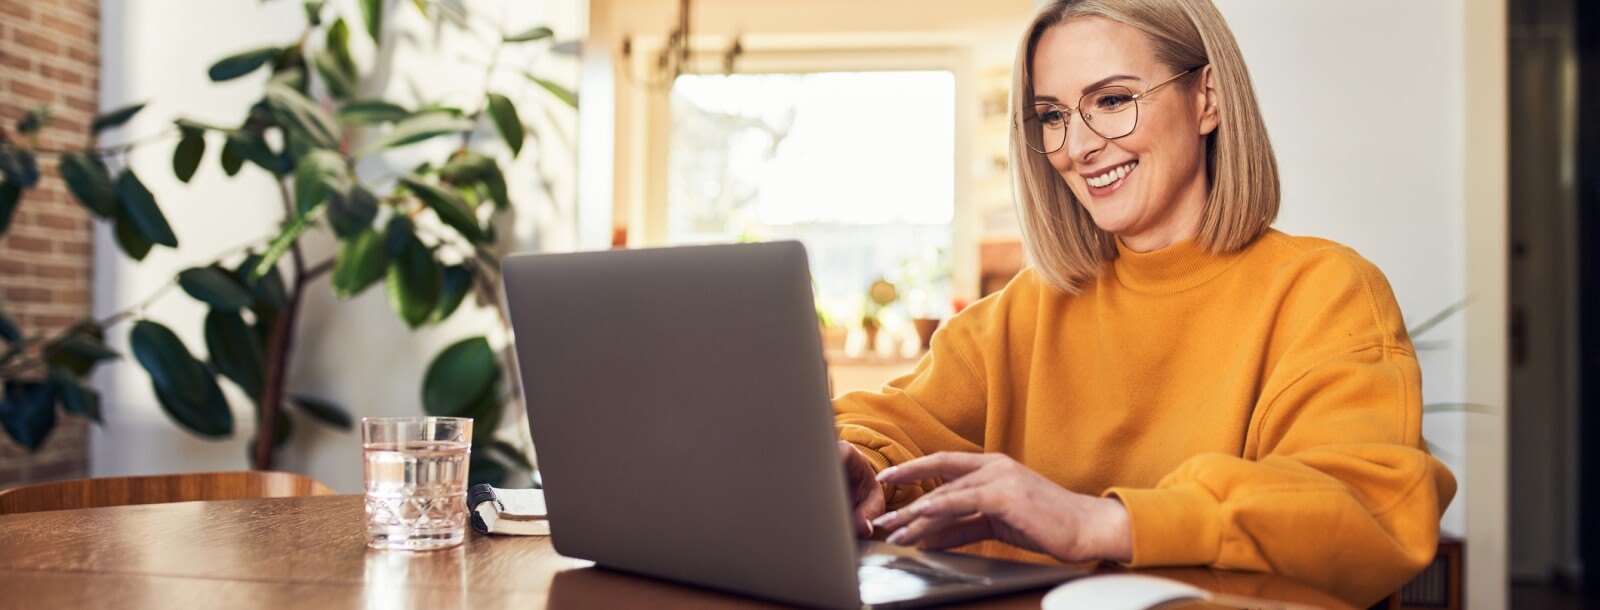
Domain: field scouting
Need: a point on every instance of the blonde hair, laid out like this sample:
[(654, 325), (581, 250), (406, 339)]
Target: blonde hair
[(1065, 246)]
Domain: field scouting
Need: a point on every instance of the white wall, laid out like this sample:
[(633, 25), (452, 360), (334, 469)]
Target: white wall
[(357, 354)]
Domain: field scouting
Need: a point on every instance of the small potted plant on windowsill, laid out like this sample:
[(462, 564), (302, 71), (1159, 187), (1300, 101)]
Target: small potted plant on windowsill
[(879, 296)]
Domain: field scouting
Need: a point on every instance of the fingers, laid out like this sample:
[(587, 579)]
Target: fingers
[(866, 496), (963, 531), (931, 513), (945, 464)]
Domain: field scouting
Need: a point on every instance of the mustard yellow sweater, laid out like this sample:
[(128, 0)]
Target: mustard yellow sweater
[(1258, 410)]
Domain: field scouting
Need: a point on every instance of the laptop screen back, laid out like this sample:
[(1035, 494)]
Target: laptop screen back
[(679, 408)]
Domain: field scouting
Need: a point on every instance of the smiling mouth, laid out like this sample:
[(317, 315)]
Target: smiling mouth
[(1108, 178)]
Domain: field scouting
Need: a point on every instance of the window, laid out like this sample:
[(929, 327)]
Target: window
[(858, 166)]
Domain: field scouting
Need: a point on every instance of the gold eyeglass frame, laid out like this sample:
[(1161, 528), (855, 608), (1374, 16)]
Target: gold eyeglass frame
[(1068, 112)]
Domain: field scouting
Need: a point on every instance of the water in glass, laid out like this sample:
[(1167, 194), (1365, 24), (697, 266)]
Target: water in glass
[(416, 494)]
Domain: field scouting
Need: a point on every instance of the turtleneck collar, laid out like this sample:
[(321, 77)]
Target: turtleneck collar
[(1175, 268)]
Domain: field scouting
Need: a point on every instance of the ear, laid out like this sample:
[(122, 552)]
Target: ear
[(1206, 101)]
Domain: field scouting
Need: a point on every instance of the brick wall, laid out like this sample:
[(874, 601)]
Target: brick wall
[(50, 55)]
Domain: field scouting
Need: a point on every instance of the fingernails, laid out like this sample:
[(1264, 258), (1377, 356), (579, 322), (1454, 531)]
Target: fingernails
[(918, 506), (887, 472), (884, 519), (899, 537)]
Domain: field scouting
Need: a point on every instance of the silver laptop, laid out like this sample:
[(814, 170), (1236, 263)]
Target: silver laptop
[(679, 407)]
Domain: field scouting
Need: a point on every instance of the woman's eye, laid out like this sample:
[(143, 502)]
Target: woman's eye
[(1112, 102), (1052, 118)]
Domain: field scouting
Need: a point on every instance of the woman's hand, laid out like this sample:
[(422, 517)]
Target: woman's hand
[(866, 495), (990, 495)]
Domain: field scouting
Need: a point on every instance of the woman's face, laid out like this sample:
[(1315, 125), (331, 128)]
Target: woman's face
[(1162, 188)]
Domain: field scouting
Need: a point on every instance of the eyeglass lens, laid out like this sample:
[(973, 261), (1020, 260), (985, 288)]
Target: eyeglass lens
[(1112, 112)]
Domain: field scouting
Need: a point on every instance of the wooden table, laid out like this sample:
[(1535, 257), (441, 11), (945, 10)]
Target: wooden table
[(310, 553)]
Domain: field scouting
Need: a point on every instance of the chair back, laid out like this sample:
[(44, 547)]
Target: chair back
[(156, 489)]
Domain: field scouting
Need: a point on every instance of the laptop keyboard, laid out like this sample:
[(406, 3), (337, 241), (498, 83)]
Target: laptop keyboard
[(885, 578)]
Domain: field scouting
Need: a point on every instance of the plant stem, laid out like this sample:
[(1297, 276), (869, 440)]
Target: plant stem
[(280, 344)]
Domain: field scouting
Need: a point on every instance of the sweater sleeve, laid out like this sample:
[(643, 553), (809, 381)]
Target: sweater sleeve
[(1334, 488), (939, 406)]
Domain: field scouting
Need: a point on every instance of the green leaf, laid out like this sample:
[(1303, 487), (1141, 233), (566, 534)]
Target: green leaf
[(186, 157), (8, 327), (10, 194), (293, 78), (471, 168), (115, 118), (370, 112), (466, 168), (1458, 407), (303, 117), (251, 147), (1440, 317), (448, 206), (75, 398), (459, 378), (235, 66), (351, 212), (28, 413), (372, 15), (457, 281), (333, 75), (495, 181), (511, 455), (129, 237), (86, 176), (422, 6), (562, 93), (397, 234), (140, 207), (416, 128), (269, 290), (232, 162), (19, 166), (216, 288), (318, 173), (34, 120), (185, 389), (412, 282), (236, 351), (79, 351), (538, 33), (506, 120), (361, 263), (187, 124), (280, 245), (483, 470), (314, 12), (337, 42), (323, 411)]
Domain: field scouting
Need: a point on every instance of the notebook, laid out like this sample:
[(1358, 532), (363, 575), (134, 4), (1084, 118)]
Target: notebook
[(678, 402)]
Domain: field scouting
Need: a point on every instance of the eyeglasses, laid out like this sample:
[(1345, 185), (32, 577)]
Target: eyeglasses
[(1112, 112)]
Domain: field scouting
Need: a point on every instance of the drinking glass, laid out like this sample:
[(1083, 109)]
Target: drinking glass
[(416, 475)]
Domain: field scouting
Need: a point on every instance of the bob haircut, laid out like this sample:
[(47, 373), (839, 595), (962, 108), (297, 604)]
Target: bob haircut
[(1060, 236)]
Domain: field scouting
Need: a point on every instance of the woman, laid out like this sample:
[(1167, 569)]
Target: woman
[(1172, 382)]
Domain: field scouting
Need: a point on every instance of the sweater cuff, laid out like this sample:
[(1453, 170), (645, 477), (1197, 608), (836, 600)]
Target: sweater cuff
[(879, 463), (1177, 525)]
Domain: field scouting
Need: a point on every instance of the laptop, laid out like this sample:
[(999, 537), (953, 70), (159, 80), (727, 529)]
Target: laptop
[(678, 401)]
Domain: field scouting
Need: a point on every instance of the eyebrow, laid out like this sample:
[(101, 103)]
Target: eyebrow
[(1092, 86)]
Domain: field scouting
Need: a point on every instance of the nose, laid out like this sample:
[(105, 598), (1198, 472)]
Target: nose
[(1082, 142)]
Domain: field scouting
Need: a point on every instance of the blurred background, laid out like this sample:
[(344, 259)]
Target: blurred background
[(1444, 140)]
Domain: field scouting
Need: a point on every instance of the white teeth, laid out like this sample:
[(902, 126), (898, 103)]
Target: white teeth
[(1111, 176)]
